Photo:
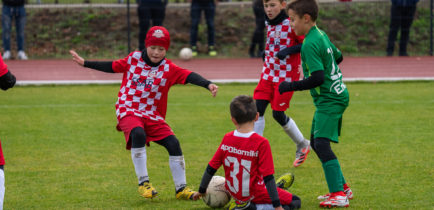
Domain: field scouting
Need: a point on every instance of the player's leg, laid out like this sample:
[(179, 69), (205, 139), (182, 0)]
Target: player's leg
[(406, 22), (262, 94), (395, 19), (177, 166), (135, 138), (144, 14), (6, 31), (327, 129), (261, 106), (279, 104), (138, 155)]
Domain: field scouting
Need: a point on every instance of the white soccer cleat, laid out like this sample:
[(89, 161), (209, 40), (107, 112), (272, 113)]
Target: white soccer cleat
[(22, 55), (7, 55), (338, 199), (347, 192)]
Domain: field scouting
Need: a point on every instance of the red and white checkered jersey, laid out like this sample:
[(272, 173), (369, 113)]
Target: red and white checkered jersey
[(279, 37), (246, 159), (3, 67), (144, 89)]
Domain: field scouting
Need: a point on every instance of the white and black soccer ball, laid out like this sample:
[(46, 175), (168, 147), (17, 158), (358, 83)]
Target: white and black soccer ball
[(216, 195), (185, 53)]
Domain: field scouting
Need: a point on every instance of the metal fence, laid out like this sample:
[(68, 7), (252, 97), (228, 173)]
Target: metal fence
[(109, 28)]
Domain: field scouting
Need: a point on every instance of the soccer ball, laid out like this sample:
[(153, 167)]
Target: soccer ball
[(216, 195), (185, 53)]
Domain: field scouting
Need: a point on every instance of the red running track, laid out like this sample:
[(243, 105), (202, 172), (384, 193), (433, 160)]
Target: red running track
[(225, 70)]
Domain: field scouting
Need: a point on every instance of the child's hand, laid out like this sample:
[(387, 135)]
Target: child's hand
[(197, 195), (279, 208), (77, 58), (213, 88)]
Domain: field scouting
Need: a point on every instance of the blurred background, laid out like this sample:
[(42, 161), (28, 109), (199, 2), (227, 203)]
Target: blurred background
[(109, 29)]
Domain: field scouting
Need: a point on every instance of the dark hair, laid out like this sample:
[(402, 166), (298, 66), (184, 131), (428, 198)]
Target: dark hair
[(243, 109), (266, 1), (302, 7)]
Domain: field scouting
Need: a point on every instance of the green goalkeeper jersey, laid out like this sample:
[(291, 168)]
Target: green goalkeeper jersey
[(318, 53)]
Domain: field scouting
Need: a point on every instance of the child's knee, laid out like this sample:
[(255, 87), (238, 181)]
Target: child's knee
[(137, 137)]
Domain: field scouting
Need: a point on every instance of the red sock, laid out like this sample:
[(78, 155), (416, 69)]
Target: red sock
[(346, 186)]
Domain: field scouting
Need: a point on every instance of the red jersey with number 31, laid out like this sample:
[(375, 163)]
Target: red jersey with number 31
[(246, 159)]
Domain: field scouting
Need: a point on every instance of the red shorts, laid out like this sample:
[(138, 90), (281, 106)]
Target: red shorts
[(269, 91), (154, 130), (262, 197)]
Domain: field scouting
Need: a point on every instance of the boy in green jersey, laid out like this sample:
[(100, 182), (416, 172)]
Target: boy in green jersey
[(320, 59)]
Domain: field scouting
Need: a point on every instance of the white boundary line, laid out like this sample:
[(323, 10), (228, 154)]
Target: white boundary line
[(89, 82)]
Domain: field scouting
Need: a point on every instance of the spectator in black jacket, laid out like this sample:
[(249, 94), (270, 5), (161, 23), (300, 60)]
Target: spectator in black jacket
[(258, 34), (401, 17), (13, 9)]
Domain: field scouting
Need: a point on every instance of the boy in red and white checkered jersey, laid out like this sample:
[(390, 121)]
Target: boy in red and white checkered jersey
[(281, 63), (248, 164), (142, 102)]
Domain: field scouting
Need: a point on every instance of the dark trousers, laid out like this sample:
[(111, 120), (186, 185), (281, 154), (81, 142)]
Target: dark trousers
[(401, 18), (147, 12), (258, 34), (208, 7)]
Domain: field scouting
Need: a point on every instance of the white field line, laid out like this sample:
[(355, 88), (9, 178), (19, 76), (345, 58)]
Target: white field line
[(112, 105), (222, 81)]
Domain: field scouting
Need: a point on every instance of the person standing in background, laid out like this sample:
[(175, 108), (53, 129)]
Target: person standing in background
[(258, 34), (208, 6), (401, 17), (13, 9), (149, 10)]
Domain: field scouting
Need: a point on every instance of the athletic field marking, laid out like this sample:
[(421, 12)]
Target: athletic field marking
[(112, 105), (222, 81)]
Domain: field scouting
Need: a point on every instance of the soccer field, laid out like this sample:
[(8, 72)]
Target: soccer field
[(62, 150)]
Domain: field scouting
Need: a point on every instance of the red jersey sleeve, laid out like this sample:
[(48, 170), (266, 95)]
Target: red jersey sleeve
[(266, 165), (178, 75), (217, 159), (121, 65), (3, 67)]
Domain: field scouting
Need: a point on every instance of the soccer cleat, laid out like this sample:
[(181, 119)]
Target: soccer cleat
[(194, 51), (147, 191), (285, 181), (7, 55), (185, 194), (212, 51), (301, 153), (22, 55), (347, 192), (337, 199), (244, 206)]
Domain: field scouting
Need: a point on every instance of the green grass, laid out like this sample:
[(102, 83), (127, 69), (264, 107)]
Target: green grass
[(62, 150)]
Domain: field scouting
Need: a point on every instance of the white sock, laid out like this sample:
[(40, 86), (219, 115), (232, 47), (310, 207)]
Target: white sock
[(177, 166), (138, 155), (293, 132), (260, 125), (2, 188)]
